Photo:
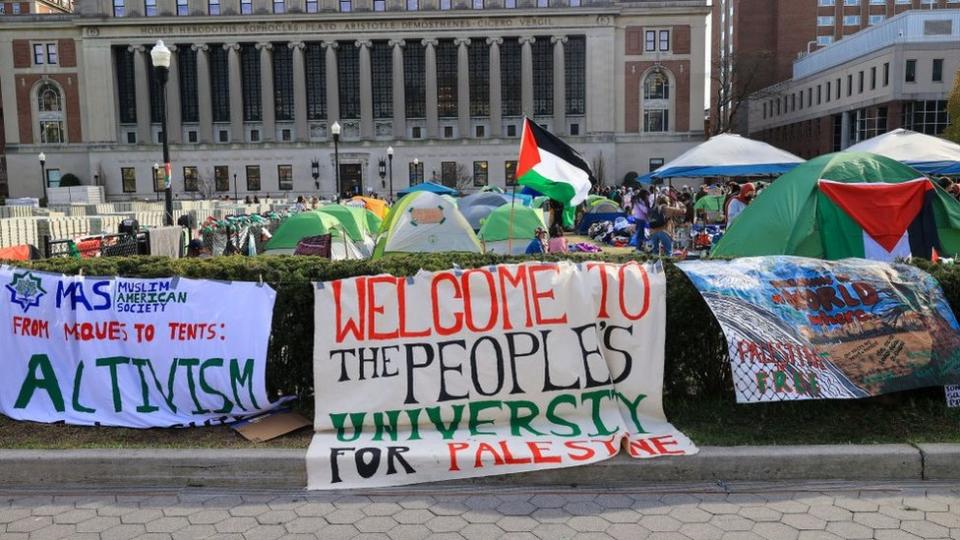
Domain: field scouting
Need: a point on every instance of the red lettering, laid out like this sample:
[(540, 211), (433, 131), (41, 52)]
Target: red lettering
[(350, 326), (588, 452), (608, 444), (641, 446), (602, 314), (453, 448), (645, 279), (374, 309), (434, 297), (508, 457), (520, 279), (538, 456), (538, 295), (468, 300), (662, 442), (484, 447), (402, 306)]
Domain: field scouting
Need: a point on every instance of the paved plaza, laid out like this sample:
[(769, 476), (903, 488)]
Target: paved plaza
[(892, 511)]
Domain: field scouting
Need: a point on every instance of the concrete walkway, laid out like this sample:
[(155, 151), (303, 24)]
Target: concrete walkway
[(782, 511)]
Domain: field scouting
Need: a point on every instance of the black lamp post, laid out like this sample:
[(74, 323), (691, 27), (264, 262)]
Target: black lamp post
[(43, 173), (156, 173), (390, 161), (335, 130), (382, 169), (236, 188), (160, 56), (315, 173)]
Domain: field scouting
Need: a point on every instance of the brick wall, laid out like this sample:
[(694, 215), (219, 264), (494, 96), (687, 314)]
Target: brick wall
[(21, 53), (681, 73), (681, 39), (71, 98), (634, 40), (68, 52)]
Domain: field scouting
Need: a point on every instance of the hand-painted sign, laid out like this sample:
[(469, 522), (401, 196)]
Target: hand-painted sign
[(801, 328), (131, 352), (494, 370)]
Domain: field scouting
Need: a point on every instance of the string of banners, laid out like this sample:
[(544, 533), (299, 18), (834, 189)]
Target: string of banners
[(494, 370), (137, 353)]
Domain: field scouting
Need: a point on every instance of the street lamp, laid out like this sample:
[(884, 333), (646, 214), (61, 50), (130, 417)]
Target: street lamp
[(382, 170), (236, 188), (390, 161), (156, 172), (335, 129), (160, 56), (43, 173), (315, 173), (416, 171)]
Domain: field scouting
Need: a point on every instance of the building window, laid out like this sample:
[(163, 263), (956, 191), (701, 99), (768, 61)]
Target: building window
[(213, 7), (512, 130), (826, 3), (823, 41), (150, 8), (542, 77), (126, 85), (876, 19), (416, 173), (346, 6), (938, 70), (219, 83), (52, 54), (479, 131), (448, 173), (379, 5), (868, 123), (480, 176), (381, 67), (191, 179), (510, 86), (223, 136), (764, 110), (574, 129), (414, 85), (838, 88), (928, 116), (118, 10), (348, 78), (159, 182), (810, 97), (447, 132), (851, 20), (446, 79), (664, 40), (575, 74), (253, 178), (158, 105), (246, 7), (187, 70), (192, 136), (283, 83), (444, 5), (910, 74), (543, 3), (279, 6), (413, 5), (886, 73), (851, 2), (510, 4), (479, 68), (825, 20), (873, 78), (316, 81), (654, 164), (477, 4), (656, 103), (221, 178), (650, 41), (819, 94), (183, 8), (39, 57), (285, 177), (128, 179), (50, 114), (829, 93), (312, 6), (574, 3), (250, 83), (510, 172), (860, 83)]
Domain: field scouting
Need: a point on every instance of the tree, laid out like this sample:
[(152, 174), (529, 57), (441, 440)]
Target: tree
[(69, 180), (953, 111), (737, 78), (206, 186), (464, 178), (598, 169)]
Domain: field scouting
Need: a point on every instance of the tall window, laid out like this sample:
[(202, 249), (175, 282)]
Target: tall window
[(346, 6), (656, 103), (910, 74), (253, 178), (213, 7), (510, 172), (221, 178), (510, 86), (379, 5), (446, 79), (542, 77), (444, 5), (413, 5), (448, 173), (118, 10), (246, 7), (159, 182), (477, 4), (219, 83), (381, 67), (416, 173), (191, 179), (128, 179), (50, 114), (849, 85), (279, 6), (126, 85), (873, 78), (150, 8), (316, 81), (250, 82), (886, 73), (312, 6), (860, 83), (510, 4), (283, 82), (187, 68), (574, 3), (479, 67), (929, 116), (650, 41), (575, 70), (348, 77), (157, 104), (39, 55), (285, 177), (937, 70), (663, 40), (414, 86), (480, 176), (183, 8), (543, 3)]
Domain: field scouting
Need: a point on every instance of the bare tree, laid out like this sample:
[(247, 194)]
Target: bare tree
[(598, 169), (206, 186), (953, 112), (464, 178), (737, 78)]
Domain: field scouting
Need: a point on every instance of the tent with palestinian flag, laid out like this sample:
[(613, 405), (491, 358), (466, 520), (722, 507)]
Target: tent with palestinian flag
[(551, 167), (847, 204)]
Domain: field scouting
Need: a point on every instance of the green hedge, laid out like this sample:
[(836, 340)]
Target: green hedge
[(696, 357)]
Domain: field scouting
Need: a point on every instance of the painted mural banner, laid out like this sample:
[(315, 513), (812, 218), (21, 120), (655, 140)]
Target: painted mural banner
[(800, 328), (138, 353), (495, 370)]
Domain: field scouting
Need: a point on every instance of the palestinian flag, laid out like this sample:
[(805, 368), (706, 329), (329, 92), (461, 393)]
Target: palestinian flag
[(551, 167), (879, 221)]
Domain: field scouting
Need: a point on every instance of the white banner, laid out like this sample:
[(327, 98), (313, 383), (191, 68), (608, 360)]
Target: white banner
[(132, 352), (495, 370)]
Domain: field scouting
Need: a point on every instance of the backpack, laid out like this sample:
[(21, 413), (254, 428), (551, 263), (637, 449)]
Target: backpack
[(655, 218)]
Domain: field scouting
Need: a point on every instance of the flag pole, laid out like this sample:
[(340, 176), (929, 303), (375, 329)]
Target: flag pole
[(513, 202)]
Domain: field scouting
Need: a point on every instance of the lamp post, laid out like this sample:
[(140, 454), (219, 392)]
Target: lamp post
[(156, 172), (335, 129), (236, 188), (390, 162), (160, 56), (382, 170), (315, 173), (43, 173), (416, 170)]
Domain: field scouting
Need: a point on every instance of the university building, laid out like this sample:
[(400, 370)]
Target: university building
[(256, 86)]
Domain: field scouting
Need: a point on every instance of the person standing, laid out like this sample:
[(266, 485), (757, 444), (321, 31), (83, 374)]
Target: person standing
[(739, 203), (661, 218)]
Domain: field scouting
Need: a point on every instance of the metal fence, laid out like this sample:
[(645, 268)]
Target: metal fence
[(104, 245)]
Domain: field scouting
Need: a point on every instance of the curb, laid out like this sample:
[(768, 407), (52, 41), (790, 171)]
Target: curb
[(286, 468)]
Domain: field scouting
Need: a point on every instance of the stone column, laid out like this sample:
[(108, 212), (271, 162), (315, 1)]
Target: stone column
[(463, 86), (526, 75), (299, 92), (142, 89), (366, 90), (268, 116), (844, 129), (496, 107), (399, 94), (174, 127), (559, 86), (333, 88), (236, 93), (430, 63), (204, 95)]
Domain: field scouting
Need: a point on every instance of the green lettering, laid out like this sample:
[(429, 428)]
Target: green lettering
[(476, 407), (552, 416), (379, 427), (244, 378), (595, 397), (214, 362), (144, 387), (112, 362), (356, 419), (77, 380), (446, 430), (632, 406), (47, 381), (191, 385), (518, 420), (413, 415)]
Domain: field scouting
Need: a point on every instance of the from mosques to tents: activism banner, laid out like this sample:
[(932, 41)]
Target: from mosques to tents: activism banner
[(800, 328), (495, 370)]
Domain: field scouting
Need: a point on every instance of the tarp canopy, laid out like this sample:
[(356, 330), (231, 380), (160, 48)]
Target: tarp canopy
[(925, 153), (429, 187), (727, 155), (478, 206), (788, 216), (424, 222), (499, 236)]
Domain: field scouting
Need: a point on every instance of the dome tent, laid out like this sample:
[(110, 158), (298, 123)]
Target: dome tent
[(925, 153), (478, 206), (312, 223), (424, 222), (356, 224), (798, 215), (498, 236)]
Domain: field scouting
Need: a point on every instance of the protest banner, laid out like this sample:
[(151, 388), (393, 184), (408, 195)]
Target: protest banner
[(494, 370), (801, 328), (132, 352)]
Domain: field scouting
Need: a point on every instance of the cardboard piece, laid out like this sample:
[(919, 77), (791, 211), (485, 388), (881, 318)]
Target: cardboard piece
[(953, 395), (271, 425)]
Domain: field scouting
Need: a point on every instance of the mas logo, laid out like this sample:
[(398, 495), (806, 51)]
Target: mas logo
[(25, 290)]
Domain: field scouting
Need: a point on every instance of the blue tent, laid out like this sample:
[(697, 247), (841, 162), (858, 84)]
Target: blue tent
[(428, 186)]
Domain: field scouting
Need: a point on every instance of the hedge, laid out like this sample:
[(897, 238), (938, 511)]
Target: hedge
[(696, 358)]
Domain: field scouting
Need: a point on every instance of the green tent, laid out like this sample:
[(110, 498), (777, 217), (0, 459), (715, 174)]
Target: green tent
[(424, 222), (787, 219), (539, 202), (710, 203), (497, 234), (299, 226), (373, 222), (353, 218)]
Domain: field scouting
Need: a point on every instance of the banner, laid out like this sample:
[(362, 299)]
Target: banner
[(131, 352), (801, 328), (494, 370)]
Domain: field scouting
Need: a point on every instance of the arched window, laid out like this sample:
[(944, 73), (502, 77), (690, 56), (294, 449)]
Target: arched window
[(656, 102), (50, 113)]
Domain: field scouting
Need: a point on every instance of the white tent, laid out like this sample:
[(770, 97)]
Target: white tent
[(424, 222), (728, 155), (926, 153)]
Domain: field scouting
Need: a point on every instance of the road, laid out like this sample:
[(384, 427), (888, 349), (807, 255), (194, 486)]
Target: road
[(802, 511)]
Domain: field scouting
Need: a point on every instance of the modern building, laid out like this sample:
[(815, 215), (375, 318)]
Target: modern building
[(898, 73), (35, 7), (256, 86)]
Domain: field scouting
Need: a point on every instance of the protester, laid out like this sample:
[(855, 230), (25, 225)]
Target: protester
[(196, 249), (557, 244), (661, 225), (539, 242), (300, 205), (740, 202)]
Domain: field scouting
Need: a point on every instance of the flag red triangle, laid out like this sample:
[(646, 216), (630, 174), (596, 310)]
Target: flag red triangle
[(883, 210), (529, 151)]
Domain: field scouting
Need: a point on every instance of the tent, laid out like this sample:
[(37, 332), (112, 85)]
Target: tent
[(429, 187), (424, 222), (379, 207), (793, 217), (727, 155), (312, 223), (355, 224), (373, 223), (478, 206), (711, 206), (22, 252), (599, 209), (498, 236), (490, 188), (925, 153)]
